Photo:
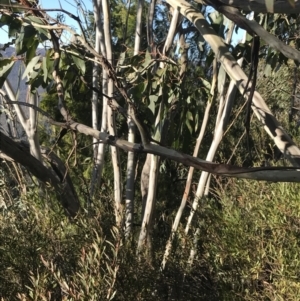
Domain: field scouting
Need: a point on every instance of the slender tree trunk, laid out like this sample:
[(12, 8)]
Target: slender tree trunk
[(205, 177), (150, 38), (111, 118), (152, 161), (221, 84), (187, 188), (260, 108), (224, 112), (190, 175), (129, 203), (31, 128), (29, 124), (138, 27), (98, 153), (145, 176)]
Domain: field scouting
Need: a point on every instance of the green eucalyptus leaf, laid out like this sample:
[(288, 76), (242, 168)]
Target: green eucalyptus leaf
[(206, 83), (137, 90), (152, 107), (35, 71), (189, 126), (14, 28), (35, 19), (14, 25), (153, 100), (80, 64), (31, 67), (189, 115), (154, 85), (196, 121), (216, 18), (31, 52), (160, 72), (29, 34), (49, 61), (44, 32), (5, 67), (20, 48), (36, 82), (148, 59)]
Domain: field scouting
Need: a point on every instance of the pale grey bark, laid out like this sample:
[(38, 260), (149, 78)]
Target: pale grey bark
[(32, 131), (221, 125), (151, 166), (95, 78), (129, 203), (269, 39), (111, 117), (187, 188), (144, 241), (273, 174), (171, 32), (183, 57), (220, 128), (98, 149), (150, 38), (138, 27), (63, 187), (222, 73), (29, 123), (150, 172), (190, 174), (145, 176), (261, 110), (259, 6)]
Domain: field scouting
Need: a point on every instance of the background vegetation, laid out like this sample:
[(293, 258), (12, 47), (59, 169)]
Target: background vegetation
[(243, 243)]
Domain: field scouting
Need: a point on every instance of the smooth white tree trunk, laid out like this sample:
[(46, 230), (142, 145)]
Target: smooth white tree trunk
[(129, 203), (98, 148), (29, 123), (111, 117)]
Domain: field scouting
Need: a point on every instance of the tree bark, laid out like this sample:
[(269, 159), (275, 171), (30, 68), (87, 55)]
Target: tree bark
[(259, 6), (261, 110), (64, 191)]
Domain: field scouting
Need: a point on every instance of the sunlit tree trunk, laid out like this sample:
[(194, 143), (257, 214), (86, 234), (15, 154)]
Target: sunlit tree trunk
[(129, 203), (219, 78), (111, 118), (151, 167), (191, 171), (98, 148), (259, 106), (29, 124), (225, 107)]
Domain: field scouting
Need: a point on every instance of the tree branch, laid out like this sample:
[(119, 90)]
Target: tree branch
[(20, 153), (259, 6), (278, 174), (252, 27)]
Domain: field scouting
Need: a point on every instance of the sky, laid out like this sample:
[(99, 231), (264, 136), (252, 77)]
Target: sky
[(73, 7), (69, 5)]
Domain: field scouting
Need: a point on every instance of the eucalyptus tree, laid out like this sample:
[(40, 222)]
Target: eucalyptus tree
[(157, 80)]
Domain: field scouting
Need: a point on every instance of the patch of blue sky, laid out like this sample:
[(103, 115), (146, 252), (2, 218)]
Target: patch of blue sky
[(72, 6)]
